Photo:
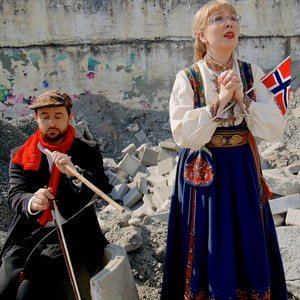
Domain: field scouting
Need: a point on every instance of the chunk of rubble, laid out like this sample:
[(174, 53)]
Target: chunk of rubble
[(143, 179)]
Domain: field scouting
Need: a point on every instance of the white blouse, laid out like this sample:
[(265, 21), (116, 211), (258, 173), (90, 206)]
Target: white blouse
[(193, 128)]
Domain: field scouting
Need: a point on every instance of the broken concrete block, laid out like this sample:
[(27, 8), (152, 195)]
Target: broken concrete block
[(149, 157), (142, 185), (140, 150), (172, 177), (129, 149), (115, 280), (138, 175), (166, 153), (129, 164), (164, 216), (119, 191), (143, 211), (132, 197), (123, 174), (147, 199), (166, 166), (133, 127), (157, 198), (169, 145), (151, 171), (109, 163), (289, 243), (140, 136), (293, 217), (157, 180), (281, 205), (117, 179), (166, 192), (281, 181), (278, 220)]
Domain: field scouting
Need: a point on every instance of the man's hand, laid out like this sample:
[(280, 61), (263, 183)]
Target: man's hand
[(40, 200), (61, 160)]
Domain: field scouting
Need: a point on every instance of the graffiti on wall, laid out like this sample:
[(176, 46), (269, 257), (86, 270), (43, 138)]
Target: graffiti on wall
[(24, 74)]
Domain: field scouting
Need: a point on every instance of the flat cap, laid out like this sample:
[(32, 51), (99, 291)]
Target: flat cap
[(52, 98)]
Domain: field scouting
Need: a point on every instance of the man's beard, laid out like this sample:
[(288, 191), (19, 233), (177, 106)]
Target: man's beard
[(54, 138)]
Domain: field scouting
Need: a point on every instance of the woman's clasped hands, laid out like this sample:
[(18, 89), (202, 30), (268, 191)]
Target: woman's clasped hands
[(230, 87)]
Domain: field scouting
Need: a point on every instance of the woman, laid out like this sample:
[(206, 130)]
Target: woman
[(222, 241)]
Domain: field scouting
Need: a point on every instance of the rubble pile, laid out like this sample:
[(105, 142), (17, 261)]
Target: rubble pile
[(140, 159)]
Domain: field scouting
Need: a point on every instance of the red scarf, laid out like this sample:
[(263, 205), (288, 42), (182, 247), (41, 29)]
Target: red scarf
[(29, 156)]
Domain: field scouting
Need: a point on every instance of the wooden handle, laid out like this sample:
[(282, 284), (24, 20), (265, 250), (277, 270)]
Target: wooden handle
[(91, 186)]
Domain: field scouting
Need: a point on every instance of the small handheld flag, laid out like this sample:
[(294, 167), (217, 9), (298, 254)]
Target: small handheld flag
[(278, 82)]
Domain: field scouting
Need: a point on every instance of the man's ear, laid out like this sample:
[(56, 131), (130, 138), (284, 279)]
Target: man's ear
[(71, 116), (35, 116)]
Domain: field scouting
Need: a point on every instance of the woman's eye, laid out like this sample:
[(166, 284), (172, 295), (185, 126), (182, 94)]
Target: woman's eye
[(219, 19)]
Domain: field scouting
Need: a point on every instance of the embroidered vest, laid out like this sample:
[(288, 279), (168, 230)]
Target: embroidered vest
[(194, 75)]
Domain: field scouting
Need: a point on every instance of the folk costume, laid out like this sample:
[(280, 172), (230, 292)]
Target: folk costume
[(26, 251), (222, 242)]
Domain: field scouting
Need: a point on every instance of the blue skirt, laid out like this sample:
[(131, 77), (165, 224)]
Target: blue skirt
[(222, 241)]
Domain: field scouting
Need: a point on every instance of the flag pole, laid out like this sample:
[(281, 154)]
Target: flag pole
[(225, 109)]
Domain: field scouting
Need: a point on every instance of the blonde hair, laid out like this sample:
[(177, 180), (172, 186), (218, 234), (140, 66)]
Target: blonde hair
[(200, 22)]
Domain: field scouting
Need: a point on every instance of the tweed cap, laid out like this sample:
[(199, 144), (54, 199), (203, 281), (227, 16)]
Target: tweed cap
[(52, 98)]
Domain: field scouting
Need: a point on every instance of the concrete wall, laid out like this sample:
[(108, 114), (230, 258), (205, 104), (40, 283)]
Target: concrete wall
[(127, 51)]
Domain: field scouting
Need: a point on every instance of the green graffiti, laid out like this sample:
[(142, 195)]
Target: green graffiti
[(60, 57), (92, 63), (128, 66), (4, 92), (7, 58), (34, 57)]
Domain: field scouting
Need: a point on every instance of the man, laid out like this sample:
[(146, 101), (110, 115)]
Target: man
[(32, 265)]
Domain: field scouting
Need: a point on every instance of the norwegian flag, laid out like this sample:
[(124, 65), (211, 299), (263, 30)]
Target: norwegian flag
[(278, 82)]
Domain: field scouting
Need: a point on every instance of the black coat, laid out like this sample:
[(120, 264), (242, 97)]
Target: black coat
[(83, 234)]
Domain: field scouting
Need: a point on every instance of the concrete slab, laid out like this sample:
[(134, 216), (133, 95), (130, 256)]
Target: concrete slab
[(281, 205), (293, 217), (115, 280)]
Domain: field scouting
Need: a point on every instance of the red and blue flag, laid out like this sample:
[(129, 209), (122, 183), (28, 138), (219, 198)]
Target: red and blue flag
[(279, 83)]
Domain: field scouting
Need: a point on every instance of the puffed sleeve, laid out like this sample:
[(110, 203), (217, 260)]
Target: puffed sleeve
[(191, 128), (264, 118)]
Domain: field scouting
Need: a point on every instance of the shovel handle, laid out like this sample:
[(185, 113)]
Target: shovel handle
[(91, 186)]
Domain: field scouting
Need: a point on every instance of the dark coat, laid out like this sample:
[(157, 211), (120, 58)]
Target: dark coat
[(83, 234)]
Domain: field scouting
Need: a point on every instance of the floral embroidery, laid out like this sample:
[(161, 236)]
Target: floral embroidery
[(217, 67), (198, 171), (214, 106), (202, 296), (267, 295), (194, 75), (241, 295), (247, 101)]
